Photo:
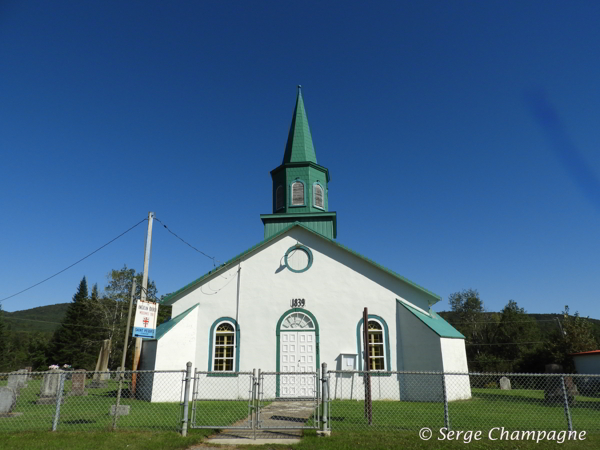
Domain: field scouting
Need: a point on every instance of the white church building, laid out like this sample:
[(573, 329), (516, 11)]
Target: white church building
[(295, 300)]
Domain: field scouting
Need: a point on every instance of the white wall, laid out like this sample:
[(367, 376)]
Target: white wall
[(454, 357), (336, 288), (173, 350), (589, 364)]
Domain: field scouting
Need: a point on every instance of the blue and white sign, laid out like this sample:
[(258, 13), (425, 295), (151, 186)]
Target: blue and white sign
[(144, 325)]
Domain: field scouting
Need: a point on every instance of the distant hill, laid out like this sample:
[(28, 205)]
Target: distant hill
[(44, 319), (547, 322)]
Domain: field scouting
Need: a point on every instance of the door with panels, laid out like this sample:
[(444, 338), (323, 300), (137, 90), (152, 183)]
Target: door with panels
[(298, 350)]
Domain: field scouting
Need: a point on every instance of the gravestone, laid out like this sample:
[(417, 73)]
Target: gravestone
[(25, 375), (78, 378), (122, 411), (8, 400), (505, 384), (29, 370), (50, 387), (17, 380), (553, 390), (101, 373)]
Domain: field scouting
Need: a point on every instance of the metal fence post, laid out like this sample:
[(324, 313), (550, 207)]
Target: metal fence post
[(59, 396), (253, 410), (114, 424), (325, 399), (258, 398), (186, 398), (194, 395), (566, 403), (446, 412)]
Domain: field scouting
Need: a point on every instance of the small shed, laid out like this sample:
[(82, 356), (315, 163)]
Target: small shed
[(587, 362)]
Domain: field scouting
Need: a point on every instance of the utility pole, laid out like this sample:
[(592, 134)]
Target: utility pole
[(138, 341)]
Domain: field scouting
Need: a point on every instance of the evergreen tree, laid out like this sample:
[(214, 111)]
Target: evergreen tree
[(3, 342), (70, 343)]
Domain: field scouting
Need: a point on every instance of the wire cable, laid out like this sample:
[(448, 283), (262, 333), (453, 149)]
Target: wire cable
[(214, 260), (75, 263)]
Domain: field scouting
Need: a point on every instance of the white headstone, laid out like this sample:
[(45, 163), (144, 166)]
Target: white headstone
[(505, 384), (50, 383), (8, 399)]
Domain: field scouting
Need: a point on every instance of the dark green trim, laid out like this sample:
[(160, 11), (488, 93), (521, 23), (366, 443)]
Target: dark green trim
[(303, 248), (277, 332), (164, 327), (290, 204), (434, 322), (302, 164), (169, 299), (386, 342), (236, 367)]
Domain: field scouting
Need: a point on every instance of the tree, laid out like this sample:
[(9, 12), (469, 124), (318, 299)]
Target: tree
[(517, 336), (3, 342), (71, 343), (110, 309)]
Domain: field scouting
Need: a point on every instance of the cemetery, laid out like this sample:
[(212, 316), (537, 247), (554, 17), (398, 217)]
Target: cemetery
[(84, 407)]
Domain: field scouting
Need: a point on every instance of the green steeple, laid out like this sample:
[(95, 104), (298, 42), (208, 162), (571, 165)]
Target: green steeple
[(299, 147), (300, 185)]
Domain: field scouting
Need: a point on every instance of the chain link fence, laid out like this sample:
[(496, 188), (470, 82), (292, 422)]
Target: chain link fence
[(463, 401), (80, 400), (335, 400)]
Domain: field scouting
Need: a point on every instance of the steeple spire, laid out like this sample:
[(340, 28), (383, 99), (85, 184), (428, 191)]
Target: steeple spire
[(300, 185), (299, 147)]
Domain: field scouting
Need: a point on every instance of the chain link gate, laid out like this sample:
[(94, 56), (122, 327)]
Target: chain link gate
[(223, 400), (288, 400), (251, 401)]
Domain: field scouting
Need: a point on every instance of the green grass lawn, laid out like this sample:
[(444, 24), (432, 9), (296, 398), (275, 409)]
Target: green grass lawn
[(515, 410), (92, 411)]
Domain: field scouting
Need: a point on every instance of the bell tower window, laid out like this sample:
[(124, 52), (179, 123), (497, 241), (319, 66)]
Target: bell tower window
[(297, 193), (318, 198), (279, 198)]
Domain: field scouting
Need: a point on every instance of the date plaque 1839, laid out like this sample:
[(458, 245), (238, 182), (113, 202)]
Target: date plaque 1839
[(298, 303)]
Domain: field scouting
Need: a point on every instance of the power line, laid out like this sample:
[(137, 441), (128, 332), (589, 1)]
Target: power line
[(214, 260), (507, 321), (513, 343), (75, 263)]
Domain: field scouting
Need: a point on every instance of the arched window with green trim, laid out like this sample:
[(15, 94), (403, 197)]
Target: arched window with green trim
[(378, 344), (224, 346)]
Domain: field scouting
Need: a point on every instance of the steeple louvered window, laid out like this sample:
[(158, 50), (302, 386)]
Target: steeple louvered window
[(297, 193), (318, 198), (279, 198)]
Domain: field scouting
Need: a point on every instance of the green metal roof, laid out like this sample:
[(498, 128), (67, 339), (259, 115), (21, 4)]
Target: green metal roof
[(168, 300), (435, 322), (163, 328), (299, 147)]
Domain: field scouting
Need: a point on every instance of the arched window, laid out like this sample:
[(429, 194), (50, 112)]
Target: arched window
[(318, 198), (378, 344), (376, 348), (224, 347), (279, 198), (297, 193)]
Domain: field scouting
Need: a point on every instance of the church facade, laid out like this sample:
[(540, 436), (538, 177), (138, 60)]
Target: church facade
[(296, 299)]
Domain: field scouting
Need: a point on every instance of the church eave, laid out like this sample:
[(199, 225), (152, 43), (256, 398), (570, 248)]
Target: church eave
[(172, 298), (302, 164)]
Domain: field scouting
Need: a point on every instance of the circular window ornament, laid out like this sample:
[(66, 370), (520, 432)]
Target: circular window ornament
[(298, 258)]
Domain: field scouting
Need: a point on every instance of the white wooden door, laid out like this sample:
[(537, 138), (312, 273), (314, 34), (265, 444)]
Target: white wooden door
[(298, 356)]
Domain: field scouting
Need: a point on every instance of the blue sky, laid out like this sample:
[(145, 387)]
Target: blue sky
[(461, 138)]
